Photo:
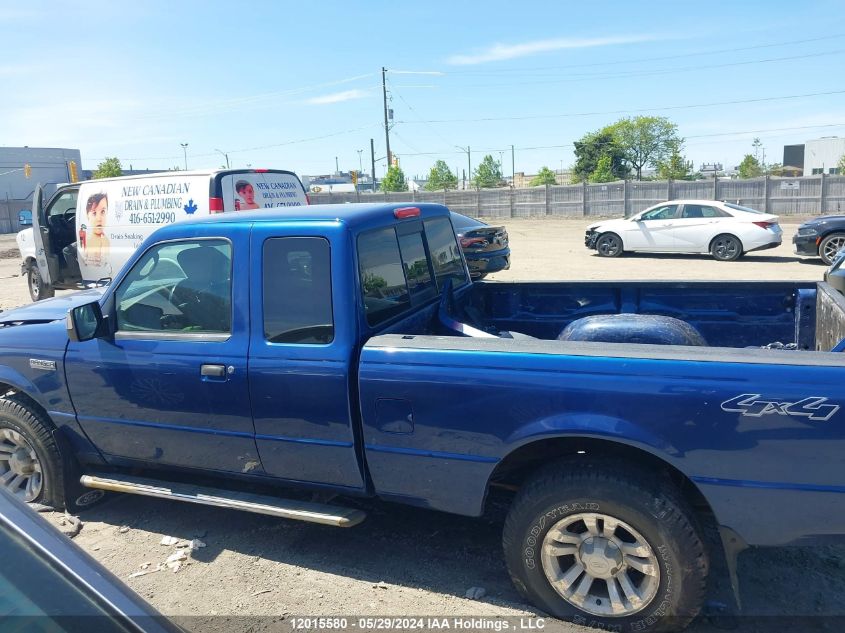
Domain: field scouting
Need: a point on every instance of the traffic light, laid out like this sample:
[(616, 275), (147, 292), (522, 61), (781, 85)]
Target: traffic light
[(354, 174), (72, 171), (27, 170)]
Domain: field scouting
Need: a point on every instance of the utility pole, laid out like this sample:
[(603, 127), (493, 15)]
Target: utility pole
[(386, 128), (336, 168), (360, 164), (373, 163), (469, 160), (185, 153), (513, 166)]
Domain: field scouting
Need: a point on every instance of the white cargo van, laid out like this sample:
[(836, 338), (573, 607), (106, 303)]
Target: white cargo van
[(86, 231)]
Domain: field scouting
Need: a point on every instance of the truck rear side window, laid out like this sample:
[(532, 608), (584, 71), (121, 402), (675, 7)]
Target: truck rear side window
[(298, 291), (382, 278), (445, 252), (420, 283)]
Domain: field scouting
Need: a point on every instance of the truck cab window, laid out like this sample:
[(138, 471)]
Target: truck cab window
[(298, 291), (445, 253), (382, 277), (178, 287), (417, 272)]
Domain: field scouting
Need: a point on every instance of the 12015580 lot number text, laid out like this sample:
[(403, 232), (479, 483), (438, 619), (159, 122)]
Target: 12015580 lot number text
[(154, 217)]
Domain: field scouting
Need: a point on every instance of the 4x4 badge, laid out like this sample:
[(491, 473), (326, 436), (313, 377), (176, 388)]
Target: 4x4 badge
[(813, 407)]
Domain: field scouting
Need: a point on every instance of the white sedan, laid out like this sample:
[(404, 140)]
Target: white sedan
[(724, 230)]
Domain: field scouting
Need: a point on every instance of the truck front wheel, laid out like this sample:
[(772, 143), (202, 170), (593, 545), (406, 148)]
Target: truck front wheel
[(606, 547), (32, 464), (38, 288)]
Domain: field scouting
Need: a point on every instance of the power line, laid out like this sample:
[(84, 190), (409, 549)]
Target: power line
[(656, 71), (649, 59), (629, 110)]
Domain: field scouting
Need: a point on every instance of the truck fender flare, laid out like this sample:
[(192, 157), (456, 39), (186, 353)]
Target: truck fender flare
[(21, 383), (594, 426)]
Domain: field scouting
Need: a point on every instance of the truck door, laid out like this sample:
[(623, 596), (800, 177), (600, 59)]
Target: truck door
[(170, 386), (301, 346)]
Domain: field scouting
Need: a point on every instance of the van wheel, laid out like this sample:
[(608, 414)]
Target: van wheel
[(38, 289), (32, 465), (607, 547)]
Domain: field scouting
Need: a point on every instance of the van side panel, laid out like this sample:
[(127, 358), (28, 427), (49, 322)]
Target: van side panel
[(114, 216)]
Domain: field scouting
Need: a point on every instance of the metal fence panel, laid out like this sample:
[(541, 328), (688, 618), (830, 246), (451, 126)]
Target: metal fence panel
[(605, 199), (566, 200), (749, 193), (795, 196), (465, 202), (695, 190), (529, 203), (834, 200), (495, 203)]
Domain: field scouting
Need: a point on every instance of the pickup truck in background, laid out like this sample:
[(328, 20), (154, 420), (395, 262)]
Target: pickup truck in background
[(240, 359)]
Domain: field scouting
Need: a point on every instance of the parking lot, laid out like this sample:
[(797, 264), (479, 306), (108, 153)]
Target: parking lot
[(405, 561)]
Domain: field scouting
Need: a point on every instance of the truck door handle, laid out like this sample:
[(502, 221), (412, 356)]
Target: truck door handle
[(213, 371)]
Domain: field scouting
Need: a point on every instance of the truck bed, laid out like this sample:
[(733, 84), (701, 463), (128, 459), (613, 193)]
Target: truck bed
[(745, 426)]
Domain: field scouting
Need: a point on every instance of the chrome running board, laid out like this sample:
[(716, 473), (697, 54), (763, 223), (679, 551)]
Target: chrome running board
[(260, 504)]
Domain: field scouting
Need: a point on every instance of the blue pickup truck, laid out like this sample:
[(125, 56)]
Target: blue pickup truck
[(242, 360)]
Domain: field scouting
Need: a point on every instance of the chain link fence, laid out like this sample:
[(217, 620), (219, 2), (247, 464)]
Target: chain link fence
[(810, 195)]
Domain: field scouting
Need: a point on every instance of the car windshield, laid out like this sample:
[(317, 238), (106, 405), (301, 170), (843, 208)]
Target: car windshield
[(737, 207)]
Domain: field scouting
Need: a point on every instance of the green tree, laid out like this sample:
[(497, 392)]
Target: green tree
[(394, 180), (841, 165), (603, 171), (441, 177), (750, 167), (590, 148), (109, 168), (674, 167), (645, 140), (488, 174), (544, 177)]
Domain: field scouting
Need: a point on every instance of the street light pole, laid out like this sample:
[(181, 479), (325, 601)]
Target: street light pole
[(225, 155), (336, 168), (360, 161), (185, 153), (469, 162)]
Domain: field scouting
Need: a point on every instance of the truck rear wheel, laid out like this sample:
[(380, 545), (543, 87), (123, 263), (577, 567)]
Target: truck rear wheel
[(38, 288), (32, 465), (606, 547)]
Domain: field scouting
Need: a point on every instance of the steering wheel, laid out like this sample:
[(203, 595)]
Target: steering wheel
[(69, 215)]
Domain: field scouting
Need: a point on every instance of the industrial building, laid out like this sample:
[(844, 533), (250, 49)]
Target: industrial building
[(21, 168)]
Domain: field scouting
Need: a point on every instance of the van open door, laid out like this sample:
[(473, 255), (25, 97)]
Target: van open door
[(40, 277)]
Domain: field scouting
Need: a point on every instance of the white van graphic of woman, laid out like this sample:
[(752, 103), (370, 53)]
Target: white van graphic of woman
[(93, 243), (246, 192)]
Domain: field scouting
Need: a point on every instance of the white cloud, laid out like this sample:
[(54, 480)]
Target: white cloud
[(501, 52), (338, 97)]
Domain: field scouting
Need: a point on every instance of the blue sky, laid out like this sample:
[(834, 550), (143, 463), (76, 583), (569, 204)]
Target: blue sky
[(294, 85)]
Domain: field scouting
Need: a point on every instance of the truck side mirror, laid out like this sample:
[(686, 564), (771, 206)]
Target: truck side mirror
[(84, 322)]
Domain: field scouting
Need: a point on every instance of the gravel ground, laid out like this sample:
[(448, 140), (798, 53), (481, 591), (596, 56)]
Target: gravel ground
[(404, 561)]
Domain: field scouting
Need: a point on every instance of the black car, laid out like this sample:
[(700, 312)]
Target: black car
[(47, 583), (821, 237), (485, 247)]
